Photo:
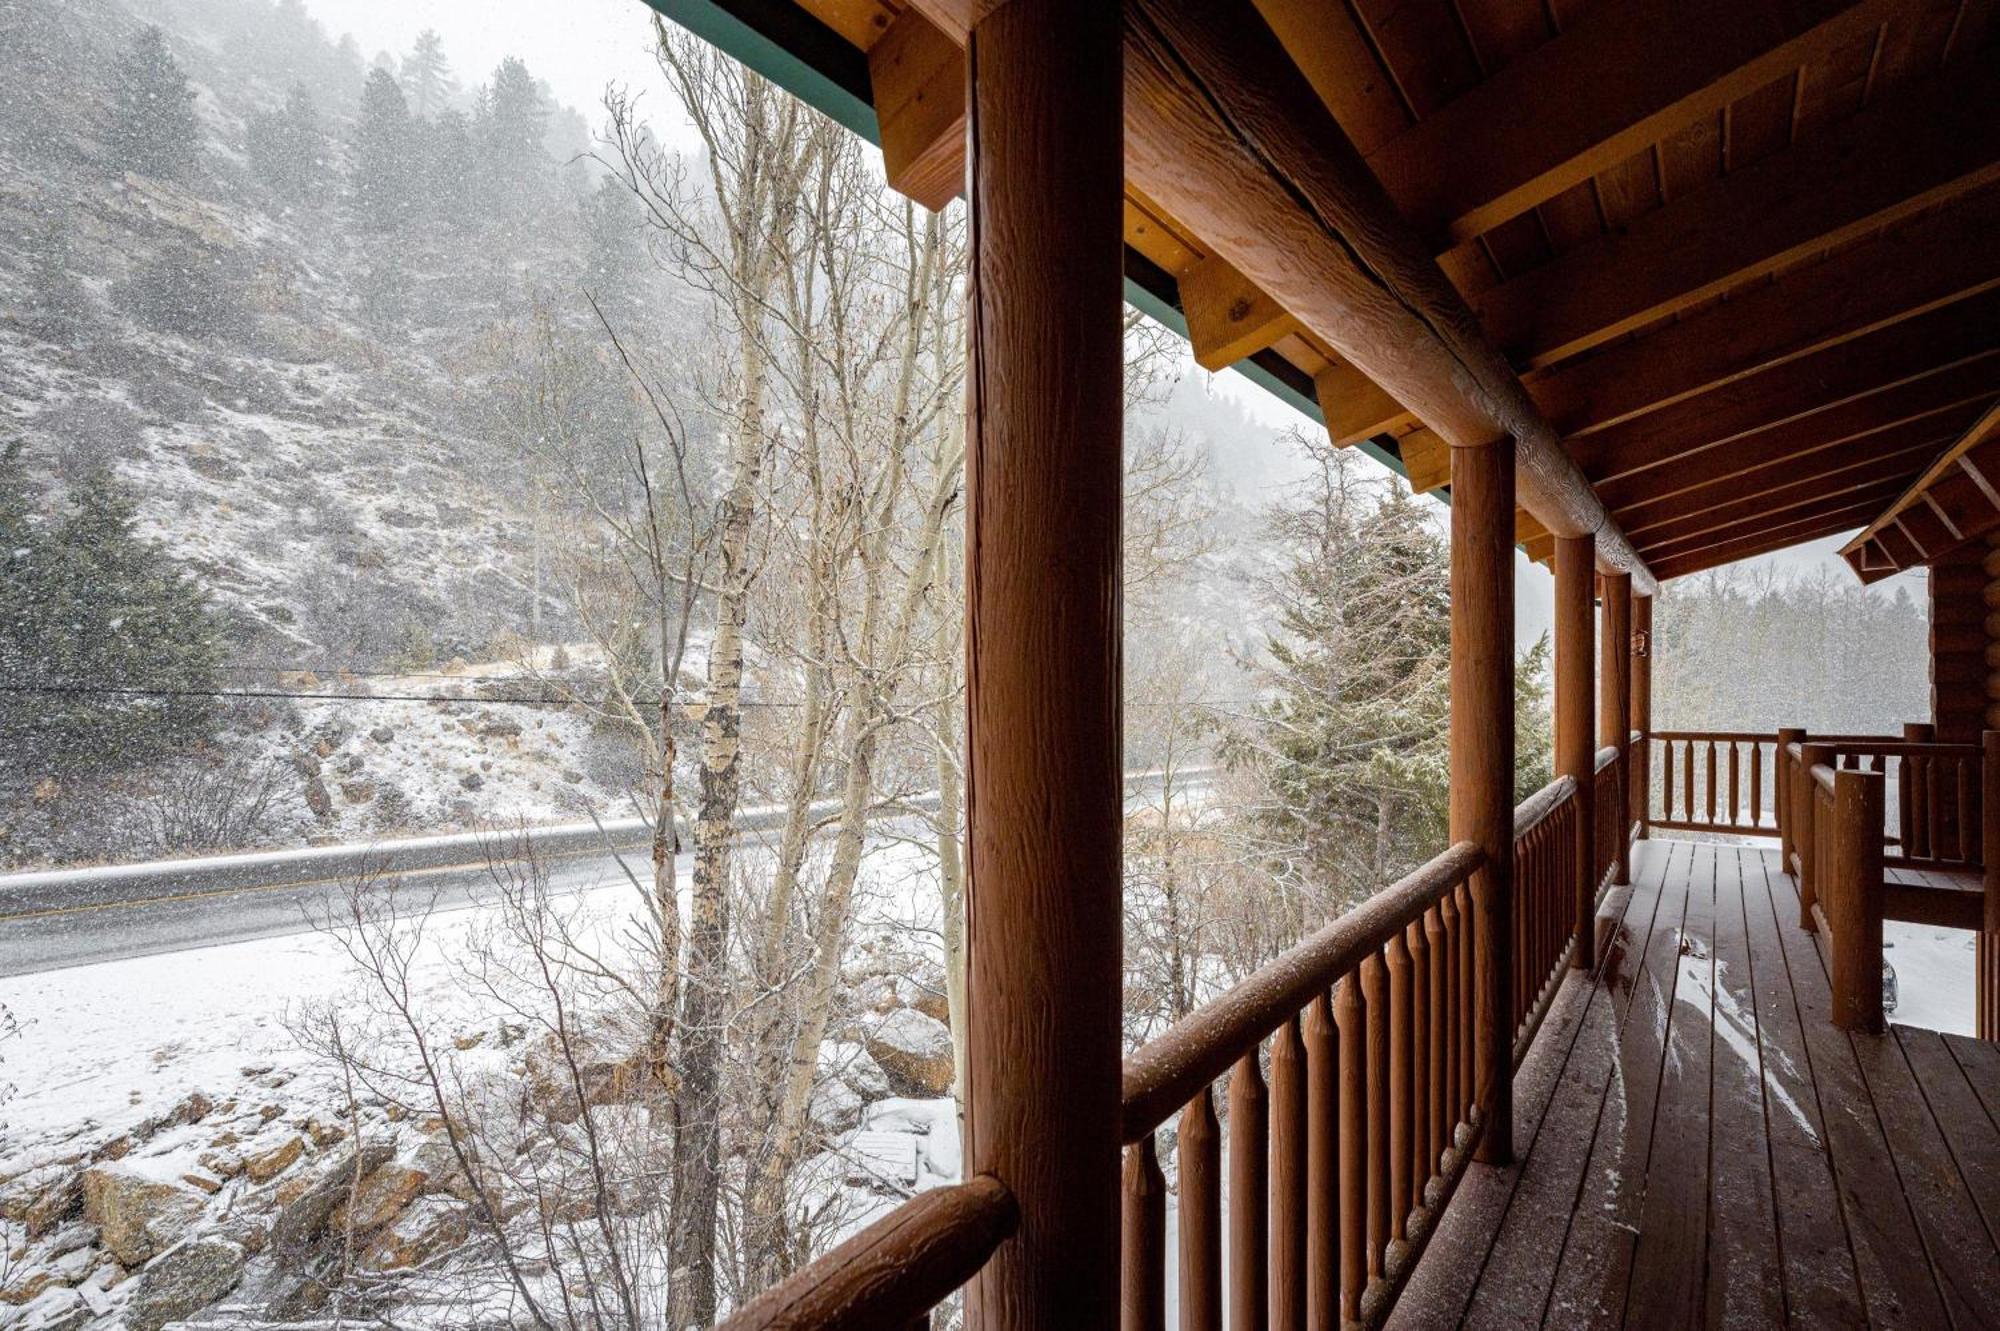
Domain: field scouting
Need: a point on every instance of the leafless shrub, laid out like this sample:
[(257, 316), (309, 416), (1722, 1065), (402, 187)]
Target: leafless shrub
[(207, 803)]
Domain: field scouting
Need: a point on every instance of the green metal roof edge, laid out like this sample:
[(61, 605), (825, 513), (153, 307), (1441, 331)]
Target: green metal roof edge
[(740, 41), (728, 33), (1162, 313)]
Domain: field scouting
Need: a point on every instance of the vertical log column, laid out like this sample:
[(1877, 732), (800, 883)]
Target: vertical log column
[(1482, 756), (1642, 708), (1576, 721), (1614, 719), (1043, 668)]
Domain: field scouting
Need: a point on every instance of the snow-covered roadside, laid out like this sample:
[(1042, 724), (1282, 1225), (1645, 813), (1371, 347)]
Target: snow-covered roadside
[(181, 1070)]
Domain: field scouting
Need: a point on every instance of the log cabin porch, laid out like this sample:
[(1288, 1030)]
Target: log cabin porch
[(1699, 1145), (1646, 288)]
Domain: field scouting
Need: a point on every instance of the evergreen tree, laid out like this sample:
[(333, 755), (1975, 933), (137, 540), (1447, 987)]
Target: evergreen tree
[(57, 301), (153, 126), (427, 74), (1352, 737), (516, 114), (383, 155), (615, 266), (288, 148), (87, 607)]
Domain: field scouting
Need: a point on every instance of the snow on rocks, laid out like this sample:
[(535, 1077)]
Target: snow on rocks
[(182, 1281), (914, 1051)]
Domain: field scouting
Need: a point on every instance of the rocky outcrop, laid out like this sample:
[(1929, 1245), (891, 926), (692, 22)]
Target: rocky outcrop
[(182, 1281), (138, 1215), (915, 1051), (431, 1227), (299, 1226)]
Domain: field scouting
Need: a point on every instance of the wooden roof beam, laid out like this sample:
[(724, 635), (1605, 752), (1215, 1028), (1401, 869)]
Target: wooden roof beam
[(1922, 410), (1931, 261), (1854, 466), (1753, 515), (1228, 319), (1894, 355), (1951, 501), (1920, 149), (1224, 131), (1623, 76), (1681, 564), (917, 73)]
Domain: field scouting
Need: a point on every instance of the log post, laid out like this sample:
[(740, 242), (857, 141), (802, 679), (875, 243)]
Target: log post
[(1642, 708), (1782, 794), (1614, 712), (1482, 758), (1853, 901), (1576, 723), (1987, 954), (1044, 796)]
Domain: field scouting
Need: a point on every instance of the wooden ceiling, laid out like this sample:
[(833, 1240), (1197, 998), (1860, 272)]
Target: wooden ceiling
[(1744, 255)]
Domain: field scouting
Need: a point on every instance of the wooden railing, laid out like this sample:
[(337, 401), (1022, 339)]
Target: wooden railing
[(1716, 781), (1347, 1070), (1938, 793), (1546, 849), (1607, 804), (1843, 862), (890, 1275), (1339, 1166)]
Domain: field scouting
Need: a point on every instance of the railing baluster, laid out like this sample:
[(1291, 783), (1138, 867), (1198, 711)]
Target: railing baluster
[(1322, 1166), (1934, 812), (1711, 781), (1351, 1020), (1468, 999), (1735, 784), (1420, 1056), (1440, 1042), (1249, 1212), (1687, 777), (1288, 1179), (1756, 783), (1375, 995), (1201, 1215), (1143, 1266), (1968, 814), (1667, 781), (1402, 1117)]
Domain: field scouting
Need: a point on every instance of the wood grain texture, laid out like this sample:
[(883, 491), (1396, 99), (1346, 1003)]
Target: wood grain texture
[(1482, 759), (1225, 132), (1044, 789), (1576, 719)]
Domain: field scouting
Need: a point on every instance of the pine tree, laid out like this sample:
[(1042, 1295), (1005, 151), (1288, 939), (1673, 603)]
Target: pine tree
[(383, 154), (153, 126), (288, 148), (516, 114), (427, 74), (89, 607)]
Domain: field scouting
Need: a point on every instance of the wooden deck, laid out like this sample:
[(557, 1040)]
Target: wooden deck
[(1699, 1146)]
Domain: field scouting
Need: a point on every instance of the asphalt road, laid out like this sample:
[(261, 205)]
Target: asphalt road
[(78, 935), (49, 921)]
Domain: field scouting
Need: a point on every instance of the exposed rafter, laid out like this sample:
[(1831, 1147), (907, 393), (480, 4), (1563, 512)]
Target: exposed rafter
[(1955, 499)]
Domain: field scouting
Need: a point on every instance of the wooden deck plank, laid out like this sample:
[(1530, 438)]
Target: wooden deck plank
[(1890, 1260), (1954, 1232), (1521, 1264), (1819, 1282), (1666, 1282), (1969, 1131), (1700, 1146), (1745, 1281), (1591, 1275), (1980, 1061)]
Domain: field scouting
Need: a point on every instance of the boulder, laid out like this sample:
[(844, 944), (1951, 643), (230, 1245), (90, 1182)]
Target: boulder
[(182, 1281), (56, 1310), (382, 734), (305, 1217), (55, 1203), (318, 799), (430, 1228), (267, 1165), (138, 1215), (380, 1198), (915, 1052)]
